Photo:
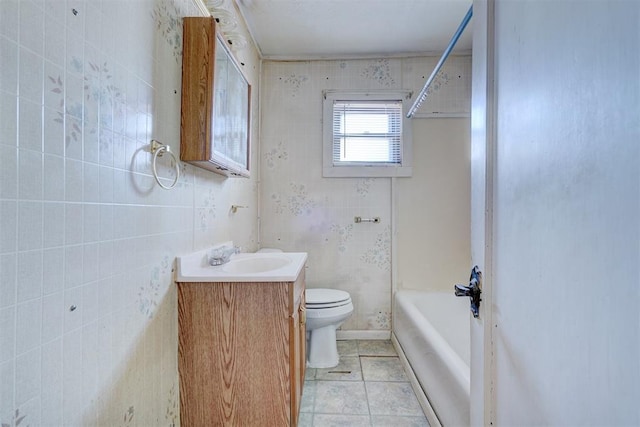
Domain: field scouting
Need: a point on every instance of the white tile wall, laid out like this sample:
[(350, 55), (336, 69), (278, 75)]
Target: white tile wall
[(29, 275), (7, 280), (82, 222), (7, 333)]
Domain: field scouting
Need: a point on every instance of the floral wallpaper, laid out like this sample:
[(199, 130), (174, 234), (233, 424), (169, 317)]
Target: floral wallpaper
[(172, 413), (276, 156), (297, 202), (149, 294), (379, 71), (167, 17), (16, 421), (380, 253), (344, 234), (302, 211), (294, 82)]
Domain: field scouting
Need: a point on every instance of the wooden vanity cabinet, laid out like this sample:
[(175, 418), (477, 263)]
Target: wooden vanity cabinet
[(241, 352)]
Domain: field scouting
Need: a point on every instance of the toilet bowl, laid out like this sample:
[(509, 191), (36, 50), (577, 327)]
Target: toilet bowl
[(326, 310)]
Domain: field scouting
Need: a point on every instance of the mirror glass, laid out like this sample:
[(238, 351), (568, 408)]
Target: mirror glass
[(230, 111)]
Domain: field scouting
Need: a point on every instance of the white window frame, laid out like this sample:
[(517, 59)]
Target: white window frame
[(329, 170)]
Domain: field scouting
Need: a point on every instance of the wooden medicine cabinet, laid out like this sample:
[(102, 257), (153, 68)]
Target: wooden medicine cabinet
[(216, 101)]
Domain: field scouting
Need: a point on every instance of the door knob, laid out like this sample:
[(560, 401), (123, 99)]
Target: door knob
[(472, 291)]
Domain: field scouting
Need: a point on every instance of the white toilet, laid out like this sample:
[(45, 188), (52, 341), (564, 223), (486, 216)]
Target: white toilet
[(326, 310)]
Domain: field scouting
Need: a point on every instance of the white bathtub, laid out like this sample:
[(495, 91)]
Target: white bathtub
[(432, 329)]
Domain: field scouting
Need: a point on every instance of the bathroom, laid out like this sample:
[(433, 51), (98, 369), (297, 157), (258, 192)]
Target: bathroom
[(88, 323)]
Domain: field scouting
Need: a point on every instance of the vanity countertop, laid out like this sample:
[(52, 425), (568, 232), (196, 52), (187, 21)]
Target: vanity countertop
[(242, 267)]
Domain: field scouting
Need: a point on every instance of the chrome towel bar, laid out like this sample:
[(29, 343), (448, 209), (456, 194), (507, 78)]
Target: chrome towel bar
[(359, 219)]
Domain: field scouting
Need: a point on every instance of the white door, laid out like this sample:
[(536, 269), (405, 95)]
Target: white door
[(482, 120), (556, 212)]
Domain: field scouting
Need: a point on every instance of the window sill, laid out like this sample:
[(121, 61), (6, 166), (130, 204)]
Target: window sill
[(366, 171)]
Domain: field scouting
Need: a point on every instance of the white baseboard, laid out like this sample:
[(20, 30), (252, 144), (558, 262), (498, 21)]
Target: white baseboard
[(415, 384), (363, 335)]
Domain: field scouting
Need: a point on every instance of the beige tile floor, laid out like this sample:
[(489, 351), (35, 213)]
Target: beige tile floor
[(368, 388)]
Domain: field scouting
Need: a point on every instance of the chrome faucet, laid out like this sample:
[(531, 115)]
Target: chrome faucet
[(223, 255)]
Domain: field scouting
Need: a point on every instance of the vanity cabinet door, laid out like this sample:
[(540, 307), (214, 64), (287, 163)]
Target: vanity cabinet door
[(241, 352), (297, 345), (302, 332), (233, 361), (296, 372)]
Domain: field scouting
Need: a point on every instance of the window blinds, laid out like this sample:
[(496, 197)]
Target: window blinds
[(367, 132)]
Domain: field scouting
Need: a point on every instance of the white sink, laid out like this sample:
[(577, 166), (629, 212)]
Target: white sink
[(243, 267), (261, 263)]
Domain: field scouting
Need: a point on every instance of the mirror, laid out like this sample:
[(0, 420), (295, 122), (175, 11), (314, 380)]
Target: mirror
[(230, 110), (216, 102)]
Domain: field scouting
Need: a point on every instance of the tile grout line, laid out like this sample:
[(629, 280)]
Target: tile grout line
[(364, 383)]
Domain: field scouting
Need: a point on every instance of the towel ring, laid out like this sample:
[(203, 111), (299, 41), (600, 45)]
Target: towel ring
[(157, 148)]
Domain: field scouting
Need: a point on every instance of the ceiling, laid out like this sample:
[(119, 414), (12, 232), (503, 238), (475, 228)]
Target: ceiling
[(315, 29)]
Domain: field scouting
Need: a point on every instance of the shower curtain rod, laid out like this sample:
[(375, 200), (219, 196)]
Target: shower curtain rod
[(423, 93)]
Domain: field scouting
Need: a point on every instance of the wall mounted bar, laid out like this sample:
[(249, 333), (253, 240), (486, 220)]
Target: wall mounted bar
[(359, 219), (423, 93)]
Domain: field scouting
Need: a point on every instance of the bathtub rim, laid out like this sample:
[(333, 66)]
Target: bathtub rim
[(454, 362), (456, 367), (423, 400)]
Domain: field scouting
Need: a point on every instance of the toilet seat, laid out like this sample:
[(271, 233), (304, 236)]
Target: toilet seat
[(326, 311), (327, 305), (320, 298)]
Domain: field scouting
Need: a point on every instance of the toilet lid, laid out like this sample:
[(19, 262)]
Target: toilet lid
[(321, 298)]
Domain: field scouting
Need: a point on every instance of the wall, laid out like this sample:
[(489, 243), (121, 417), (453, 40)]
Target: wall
[(566, 232), (84, 86), (301, 211), (433, 208)]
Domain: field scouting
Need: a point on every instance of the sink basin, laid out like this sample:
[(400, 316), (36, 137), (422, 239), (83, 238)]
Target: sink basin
[(243, 267), (256, 264)]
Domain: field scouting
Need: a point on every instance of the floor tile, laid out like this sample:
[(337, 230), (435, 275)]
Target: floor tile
[(347, 370), (308, 396), (382, 369), (329, 420), (395, 421), (376, 348), (310, 374), (348, 348), (341, 397), (392, 398), (305, 419), (368, 388)]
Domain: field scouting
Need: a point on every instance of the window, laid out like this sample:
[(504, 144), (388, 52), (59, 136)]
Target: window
[(366, 134)]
